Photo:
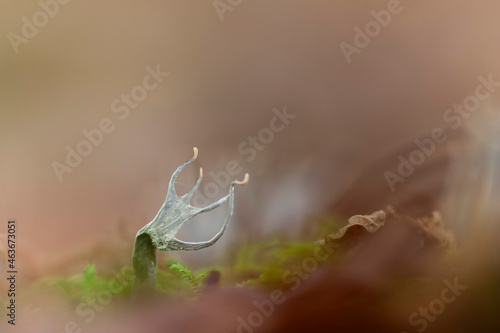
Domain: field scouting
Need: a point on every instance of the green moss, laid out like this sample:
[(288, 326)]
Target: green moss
[(264, 264), (86, 286), (261, 264), (194, 280)]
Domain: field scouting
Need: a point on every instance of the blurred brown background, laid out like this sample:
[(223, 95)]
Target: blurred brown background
[(225, 79)]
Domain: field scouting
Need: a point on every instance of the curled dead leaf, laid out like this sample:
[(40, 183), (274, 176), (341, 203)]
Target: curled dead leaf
[(431, 230)]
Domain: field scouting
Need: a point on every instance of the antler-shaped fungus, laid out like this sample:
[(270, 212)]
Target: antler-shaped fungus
[(159, 234)]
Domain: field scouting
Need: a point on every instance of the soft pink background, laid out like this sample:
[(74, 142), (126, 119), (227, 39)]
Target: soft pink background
[(226, 77)]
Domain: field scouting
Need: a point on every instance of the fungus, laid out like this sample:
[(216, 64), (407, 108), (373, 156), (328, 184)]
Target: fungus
[(159, 234)]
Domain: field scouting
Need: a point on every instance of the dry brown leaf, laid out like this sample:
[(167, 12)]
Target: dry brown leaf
[(431, 230)]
